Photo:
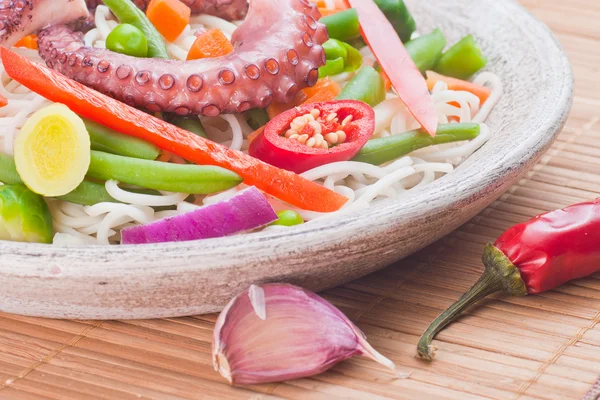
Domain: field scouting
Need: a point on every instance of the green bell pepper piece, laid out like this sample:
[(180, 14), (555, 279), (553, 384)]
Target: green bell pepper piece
[(399, 16), (426, 50), (463, 60)]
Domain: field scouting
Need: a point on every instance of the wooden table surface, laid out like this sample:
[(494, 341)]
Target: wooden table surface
[(542, 347)]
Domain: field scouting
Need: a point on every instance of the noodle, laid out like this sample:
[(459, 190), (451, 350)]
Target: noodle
[(361, 183)]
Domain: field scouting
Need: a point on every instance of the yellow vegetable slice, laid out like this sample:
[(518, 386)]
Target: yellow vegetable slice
[(52, 151)]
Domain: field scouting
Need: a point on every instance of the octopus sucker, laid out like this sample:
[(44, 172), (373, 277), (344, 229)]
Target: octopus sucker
[(19, 18), (278, 50)]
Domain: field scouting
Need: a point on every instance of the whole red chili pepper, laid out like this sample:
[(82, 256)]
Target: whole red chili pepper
[(533, 257), (316, 134)]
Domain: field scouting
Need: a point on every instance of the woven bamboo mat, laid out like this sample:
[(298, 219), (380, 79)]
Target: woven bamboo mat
[(543, 347)]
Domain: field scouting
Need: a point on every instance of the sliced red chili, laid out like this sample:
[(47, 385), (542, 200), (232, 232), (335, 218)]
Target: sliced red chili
[(312, 135)]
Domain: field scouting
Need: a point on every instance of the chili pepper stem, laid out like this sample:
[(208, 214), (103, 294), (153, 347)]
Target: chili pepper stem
[(500, 275)]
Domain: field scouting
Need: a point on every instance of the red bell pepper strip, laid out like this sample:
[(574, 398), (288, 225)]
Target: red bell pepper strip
[(344, 126), (94, 105), (530, 258), (396, 62)]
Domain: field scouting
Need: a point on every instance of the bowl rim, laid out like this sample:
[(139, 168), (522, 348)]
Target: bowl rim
[(379, 213)]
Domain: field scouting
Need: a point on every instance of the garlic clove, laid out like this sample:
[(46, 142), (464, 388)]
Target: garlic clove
[(276, 332)]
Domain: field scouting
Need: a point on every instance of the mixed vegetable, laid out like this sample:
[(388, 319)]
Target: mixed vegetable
[(68, 150)]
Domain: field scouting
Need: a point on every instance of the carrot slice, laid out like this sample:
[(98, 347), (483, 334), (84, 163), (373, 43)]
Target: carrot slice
[(169, 17), (325, 90), (323, 85), (210, 44), (386, 81), (325, 12), (457, 84), (91, 104), (255, 134), (338, 5), (29, 42), (394, 59)]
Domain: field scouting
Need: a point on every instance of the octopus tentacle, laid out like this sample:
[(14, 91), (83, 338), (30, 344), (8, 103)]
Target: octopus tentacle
[(228, 9), (278, 50), (19, 18)]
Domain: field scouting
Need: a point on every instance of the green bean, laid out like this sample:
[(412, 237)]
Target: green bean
[(193, 179), (426, 50), (399, 16), (191, 124), (110, 141), (463, 60), (343, 25), (8, 170), (257, 117), (127, 13), (87, 193), (367, 86), (382, 150)]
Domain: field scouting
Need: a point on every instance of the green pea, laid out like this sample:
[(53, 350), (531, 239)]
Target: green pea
[(128, 13), (127, 39), (288, 218)]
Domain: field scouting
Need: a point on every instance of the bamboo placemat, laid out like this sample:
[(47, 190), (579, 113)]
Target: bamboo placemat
[(542, 347)]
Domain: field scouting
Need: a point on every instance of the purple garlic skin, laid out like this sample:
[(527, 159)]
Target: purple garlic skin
[(278, 51), (227, 9), (19, 18), (276, 332)]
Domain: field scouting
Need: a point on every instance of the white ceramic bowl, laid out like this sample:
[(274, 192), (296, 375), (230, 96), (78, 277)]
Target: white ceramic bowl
[(198, 277)]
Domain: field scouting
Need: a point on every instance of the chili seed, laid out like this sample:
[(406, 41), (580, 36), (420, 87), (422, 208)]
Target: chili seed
[(317, 127), (294, 136), (311, 142), (302, 138), (347, 120), (291, 132), (331, 138), (341, 135), (315, 113), (324, 145), (331, 117)]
